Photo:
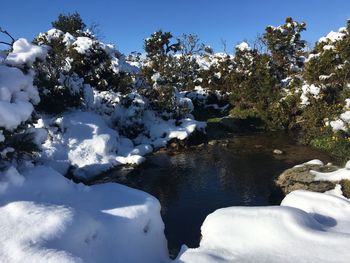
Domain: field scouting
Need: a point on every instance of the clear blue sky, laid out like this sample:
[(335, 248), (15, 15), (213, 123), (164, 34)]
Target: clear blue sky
[(127, 23)]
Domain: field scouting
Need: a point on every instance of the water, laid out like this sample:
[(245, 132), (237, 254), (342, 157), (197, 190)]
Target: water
[(193, 183)]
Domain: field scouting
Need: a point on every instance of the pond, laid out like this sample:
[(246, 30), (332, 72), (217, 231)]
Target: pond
[(238, 171)]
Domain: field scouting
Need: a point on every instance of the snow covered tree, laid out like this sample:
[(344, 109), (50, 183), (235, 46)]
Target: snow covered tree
[(160, 49)]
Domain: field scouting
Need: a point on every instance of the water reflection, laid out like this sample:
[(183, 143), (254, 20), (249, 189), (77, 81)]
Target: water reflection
[(192, 184)]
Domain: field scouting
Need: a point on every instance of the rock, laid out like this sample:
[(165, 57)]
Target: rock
[(300, 178), (213, 142), (197, 137), (345, 187), (277, 151)]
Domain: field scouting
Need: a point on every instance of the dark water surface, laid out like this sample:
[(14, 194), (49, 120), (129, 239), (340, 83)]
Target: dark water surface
[(193, 183)]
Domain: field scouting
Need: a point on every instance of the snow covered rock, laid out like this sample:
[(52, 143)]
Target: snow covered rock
[(307, 227), (302, 177), (47, 218)]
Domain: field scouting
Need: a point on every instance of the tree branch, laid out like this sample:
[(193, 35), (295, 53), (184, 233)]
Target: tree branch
[(9, 35), (5, 43)]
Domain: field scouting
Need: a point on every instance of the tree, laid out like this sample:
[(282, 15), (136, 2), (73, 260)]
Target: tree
[(286, 47), (70, 23)]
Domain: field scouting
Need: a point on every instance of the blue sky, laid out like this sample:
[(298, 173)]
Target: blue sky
[(127, 23)]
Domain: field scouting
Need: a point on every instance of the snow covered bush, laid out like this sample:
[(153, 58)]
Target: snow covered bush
[(325, 94), (172, 61), (17, 97), (215, 70), (76, 64)]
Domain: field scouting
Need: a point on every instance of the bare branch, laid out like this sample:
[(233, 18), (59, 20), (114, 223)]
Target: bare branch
[(9, 35), (5, 43)]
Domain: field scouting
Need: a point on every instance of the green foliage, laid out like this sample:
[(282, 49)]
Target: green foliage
[(18, 145), (336, 144)]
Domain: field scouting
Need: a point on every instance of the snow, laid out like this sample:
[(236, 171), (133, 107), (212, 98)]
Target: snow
[(328, 47), (333, 36), (309, 90), (25, 53), (341, 124), (338, 125), (83, 44), (347, 103), (47, 218), (304, 222), (84, 141), (243, 46), (343, 173), (337, 191), (17, 94)]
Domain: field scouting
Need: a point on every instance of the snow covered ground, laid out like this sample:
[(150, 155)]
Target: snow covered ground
[(47, 218)]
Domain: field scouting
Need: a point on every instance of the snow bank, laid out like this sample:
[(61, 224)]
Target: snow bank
[(307, 227), (47, 218)]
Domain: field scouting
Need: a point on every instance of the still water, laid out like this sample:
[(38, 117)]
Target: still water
[(193, 183)]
